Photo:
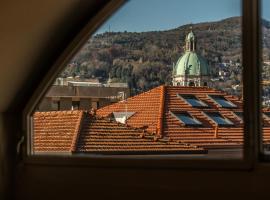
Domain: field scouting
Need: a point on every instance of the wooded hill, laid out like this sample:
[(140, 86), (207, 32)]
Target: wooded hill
[(145, 59)]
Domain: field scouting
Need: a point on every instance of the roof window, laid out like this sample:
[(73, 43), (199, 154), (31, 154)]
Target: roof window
[(219, 119), (224, 103), (239, 115), (267, 114), (193, 100), (187, 119)]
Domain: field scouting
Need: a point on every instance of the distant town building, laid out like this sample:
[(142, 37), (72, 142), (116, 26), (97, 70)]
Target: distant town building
[(191, 69), (81, 96), (76, 79)]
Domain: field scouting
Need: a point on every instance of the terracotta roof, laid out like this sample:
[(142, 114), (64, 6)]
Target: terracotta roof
[(204, 136), (56, 131), (154, 109), (77, 131), (101, 135), (145, 105), (153, 128)]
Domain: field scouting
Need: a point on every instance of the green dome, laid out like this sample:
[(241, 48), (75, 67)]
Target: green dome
[(192, 64)]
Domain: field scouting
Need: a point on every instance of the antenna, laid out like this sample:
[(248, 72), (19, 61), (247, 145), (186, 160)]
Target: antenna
[(191, 26)]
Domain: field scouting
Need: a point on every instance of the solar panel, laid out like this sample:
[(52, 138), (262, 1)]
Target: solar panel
[(187, 119), (194, 101), (223, 102), (219, 119)]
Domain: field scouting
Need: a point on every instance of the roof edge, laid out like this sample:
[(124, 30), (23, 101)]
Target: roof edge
[(77, 132), (161, 111)]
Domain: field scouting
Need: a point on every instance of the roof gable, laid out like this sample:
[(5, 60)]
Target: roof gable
[(145, 105)]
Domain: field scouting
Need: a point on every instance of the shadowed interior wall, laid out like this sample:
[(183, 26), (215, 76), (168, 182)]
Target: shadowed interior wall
[(33, 34)]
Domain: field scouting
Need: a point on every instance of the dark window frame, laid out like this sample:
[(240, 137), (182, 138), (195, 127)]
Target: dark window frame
[(240, 118), (182, 96), (198, 122), (251, 35), (208, 115), (214, 97)]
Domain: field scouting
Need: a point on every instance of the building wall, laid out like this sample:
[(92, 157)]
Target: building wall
[(85, 104), (65, 103), (104, 102), (88, 97)]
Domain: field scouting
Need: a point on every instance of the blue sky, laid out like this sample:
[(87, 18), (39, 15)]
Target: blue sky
[(266, 9), (147, 15)]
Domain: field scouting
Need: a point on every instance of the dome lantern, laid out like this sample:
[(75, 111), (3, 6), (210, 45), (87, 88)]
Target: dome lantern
[(191, 69), (190, 41)]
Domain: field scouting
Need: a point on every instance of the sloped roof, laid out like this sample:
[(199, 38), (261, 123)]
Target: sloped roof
[(78, 131), (101, 135), (228, 137), (153, 128), (159, 103), (56, 131), (145, 105)]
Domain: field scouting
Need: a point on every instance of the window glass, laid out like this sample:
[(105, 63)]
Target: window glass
[(55, 105), (219, 119), (187, 119), (150, 81), (267, 114), (223, 102), (239, 114), (193, 101)]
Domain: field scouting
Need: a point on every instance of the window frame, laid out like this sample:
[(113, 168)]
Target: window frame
[(209, 113), (251, 92), (213, 98), (197, 123), (239, 118), (182, 96)]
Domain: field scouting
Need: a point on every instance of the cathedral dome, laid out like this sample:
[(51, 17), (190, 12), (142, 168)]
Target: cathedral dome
[(191, 69), (192, 64)]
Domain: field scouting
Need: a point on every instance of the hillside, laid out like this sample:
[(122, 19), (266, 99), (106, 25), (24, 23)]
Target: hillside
[(145, 59)]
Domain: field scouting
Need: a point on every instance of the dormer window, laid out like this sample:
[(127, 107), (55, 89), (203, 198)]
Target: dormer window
[(122, 117), (222, 102), (187, 119), (193, 100), (219, 119)]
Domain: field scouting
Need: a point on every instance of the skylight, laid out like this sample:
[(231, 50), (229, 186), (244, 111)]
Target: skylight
[(193, 100), (239, 114), (223, 102), (219, 119), (187, 119), (267, 114)]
